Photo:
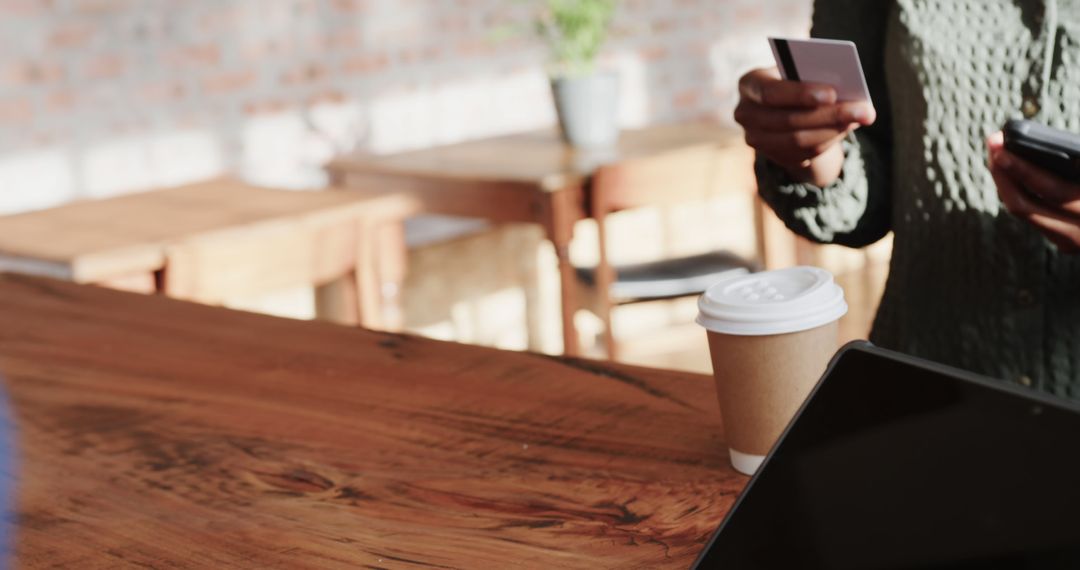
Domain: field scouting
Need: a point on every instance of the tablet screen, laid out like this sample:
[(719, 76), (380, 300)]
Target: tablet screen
[(893, 464)]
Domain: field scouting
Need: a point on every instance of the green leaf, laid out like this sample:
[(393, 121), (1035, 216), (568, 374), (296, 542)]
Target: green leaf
[(576, 31)]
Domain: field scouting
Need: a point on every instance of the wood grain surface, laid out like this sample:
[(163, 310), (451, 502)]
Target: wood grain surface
[(98, 240), (158, 433), (539, 158)]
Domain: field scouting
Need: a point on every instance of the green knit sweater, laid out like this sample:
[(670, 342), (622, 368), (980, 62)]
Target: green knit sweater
[(969, 285)]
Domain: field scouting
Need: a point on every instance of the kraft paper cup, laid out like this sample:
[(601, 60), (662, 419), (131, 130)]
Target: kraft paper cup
[(771, 336)]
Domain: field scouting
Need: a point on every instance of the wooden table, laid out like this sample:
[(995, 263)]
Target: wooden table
[(532, 177), (209, 242), (159, 433)]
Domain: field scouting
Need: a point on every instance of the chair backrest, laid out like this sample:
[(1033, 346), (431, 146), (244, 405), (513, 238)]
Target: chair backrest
[(680, 175), (686, 174)]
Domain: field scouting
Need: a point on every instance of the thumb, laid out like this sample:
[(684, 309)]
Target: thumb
[(994, 143)]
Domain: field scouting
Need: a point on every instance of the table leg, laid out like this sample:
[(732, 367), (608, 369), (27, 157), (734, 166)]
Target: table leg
[(369, 295), (776, 244), (339, 300), (530, 283), (568, 288), (605, 278), (391, 259), (761, 239), (560, 209)]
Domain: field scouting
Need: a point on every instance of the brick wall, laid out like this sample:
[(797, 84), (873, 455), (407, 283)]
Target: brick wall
[(99, 97)]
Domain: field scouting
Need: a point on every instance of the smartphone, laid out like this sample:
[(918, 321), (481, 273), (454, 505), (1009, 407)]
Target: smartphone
[(1048, 148)]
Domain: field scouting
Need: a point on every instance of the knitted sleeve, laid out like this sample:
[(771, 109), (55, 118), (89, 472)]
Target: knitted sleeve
[(855, 209)]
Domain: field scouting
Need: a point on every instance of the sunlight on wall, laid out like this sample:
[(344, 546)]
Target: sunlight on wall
[(342, 125), (392, 24), (280, 150), (45, 178), (726, 68), (486, 106), (134, 163), (288, 149), (454, 111), (184, 156), (735, 54), (35, 179), (115, 166), (633, 89)]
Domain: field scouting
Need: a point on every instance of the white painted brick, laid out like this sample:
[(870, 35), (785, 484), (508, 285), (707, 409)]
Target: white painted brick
[(35, 179), (433, 76)]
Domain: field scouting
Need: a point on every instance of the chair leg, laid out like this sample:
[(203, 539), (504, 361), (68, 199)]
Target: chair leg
[(605, 278), (337, 301), (391, 260), (346, 300), (528, 274), (610, 347)]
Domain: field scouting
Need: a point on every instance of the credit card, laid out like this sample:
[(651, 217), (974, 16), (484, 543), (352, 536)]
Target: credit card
[(832, 62)]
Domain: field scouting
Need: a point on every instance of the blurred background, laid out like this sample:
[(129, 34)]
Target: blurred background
[(100, 98)]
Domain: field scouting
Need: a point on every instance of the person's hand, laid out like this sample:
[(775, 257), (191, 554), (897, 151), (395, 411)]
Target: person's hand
[(798, 125), (1041, 198)]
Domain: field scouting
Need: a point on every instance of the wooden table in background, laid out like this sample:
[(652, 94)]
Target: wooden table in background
[(212, 241), (532, 177), (159, 433)]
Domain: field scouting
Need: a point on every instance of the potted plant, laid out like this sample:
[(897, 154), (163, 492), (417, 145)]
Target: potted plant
[(586, 99)]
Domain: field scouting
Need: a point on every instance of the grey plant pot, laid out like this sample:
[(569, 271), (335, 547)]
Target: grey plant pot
[(588, 109)]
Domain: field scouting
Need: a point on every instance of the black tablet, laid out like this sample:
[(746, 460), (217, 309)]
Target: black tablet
[(895, 462)]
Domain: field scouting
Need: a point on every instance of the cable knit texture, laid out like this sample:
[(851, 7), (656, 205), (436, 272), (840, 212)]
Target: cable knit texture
[(969, 284)]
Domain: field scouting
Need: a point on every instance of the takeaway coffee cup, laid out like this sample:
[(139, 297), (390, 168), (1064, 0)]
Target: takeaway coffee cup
[(771, 335)]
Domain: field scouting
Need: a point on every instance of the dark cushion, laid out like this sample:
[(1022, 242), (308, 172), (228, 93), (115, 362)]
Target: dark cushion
[(669, 278)]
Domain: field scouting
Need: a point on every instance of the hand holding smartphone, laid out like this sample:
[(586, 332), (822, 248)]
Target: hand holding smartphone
[(1051, 149), (1037, 173)]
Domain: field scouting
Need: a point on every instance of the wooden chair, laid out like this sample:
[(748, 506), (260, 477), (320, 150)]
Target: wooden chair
[(219, 239), (679, 176)]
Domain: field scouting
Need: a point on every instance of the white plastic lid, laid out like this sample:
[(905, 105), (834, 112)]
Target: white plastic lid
[(745, 463), (772, 302)]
